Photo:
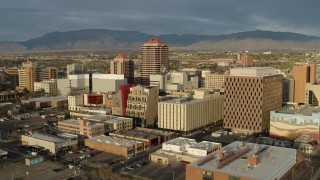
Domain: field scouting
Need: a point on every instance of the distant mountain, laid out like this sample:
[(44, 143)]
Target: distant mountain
[(104, 39)]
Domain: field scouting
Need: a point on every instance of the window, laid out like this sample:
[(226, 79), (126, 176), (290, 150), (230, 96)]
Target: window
[(207, 175), (234, 178)]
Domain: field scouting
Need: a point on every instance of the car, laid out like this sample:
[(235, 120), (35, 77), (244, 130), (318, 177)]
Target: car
[(88, 155), (71, 166), (70, 152), (138, 165), (57, 169), (130, 168)]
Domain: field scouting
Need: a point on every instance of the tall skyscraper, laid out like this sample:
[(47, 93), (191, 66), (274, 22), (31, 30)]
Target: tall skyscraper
[(123, 65), (74, 69), (303, 75), (154, 59), (250, 95)]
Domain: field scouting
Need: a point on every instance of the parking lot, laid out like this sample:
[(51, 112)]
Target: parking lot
[(156, 171)]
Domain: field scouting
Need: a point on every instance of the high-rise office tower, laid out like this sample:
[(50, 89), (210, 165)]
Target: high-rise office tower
[(303, 75), (27, 75), (123, 65), (154, 59), (30, 73), (250, 95), (74, 69)]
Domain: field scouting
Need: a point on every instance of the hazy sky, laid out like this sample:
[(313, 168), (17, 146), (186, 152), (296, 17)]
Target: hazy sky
[(24, 19)]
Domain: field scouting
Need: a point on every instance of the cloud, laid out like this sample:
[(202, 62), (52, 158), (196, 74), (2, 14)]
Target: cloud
[(21, 20)]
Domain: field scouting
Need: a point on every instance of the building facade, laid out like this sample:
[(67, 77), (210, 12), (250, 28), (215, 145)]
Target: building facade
[(312, 94), (187, 115), (74, 69), (214, 81), (303, 75), (154, 59), (81, 127), (115, 145), (142, 104), (123, 65), (49, 87), (30, 73), (290, 122), (250, 95)]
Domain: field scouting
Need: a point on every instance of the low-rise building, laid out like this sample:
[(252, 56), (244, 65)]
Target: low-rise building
[(54, 101), (10, 95), (112, 123), (115, 145), (183, 150), (149, 140), (242, 160), (52, 143), (81, 127), (49, 86), (291, 122)]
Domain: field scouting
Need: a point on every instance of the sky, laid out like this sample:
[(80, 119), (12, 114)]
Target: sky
[(21, 20)]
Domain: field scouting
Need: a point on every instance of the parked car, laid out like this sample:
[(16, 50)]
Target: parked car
[(130, 168)]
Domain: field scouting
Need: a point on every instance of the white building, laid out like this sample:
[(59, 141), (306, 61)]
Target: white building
[(183, 149), (52, 143), (88, 83), (49, 86), (187, 115), (74, 101)]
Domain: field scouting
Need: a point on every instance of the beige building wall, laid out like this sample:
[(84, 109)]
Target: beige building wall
[(182, 115), (83, 128), (143, 103), (74, 102), (119, 125), (49, 86), (214, 81), (51, 146), (312, 94), (303, 75), (249, 100)]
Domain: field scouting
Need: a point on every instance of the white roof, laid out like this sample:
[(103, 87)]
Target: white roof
[(115, 140), (272, 159), (253, 71)]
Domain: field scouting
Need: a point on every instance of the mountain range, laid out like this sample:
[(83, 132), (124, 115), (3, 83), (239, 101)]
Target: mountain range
[(116, 40)]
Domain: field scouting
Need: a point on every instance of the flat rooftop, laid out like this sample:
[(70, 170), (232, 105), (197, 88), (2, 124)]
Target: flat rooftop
[(304, 110), (47, 137), (253, 71), (188, 101), (115, 140), (205, 145), (108, 118), (47, 99), (181, 141), (77, 122), (272, 159), (153, 131), (136, 134)]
